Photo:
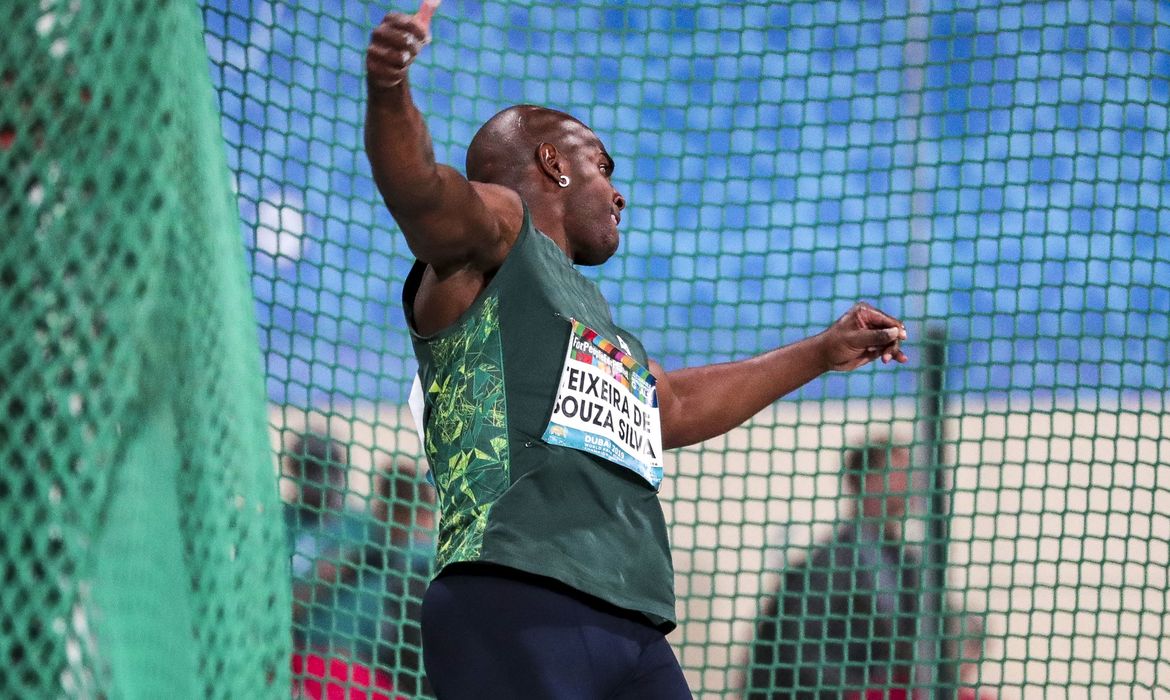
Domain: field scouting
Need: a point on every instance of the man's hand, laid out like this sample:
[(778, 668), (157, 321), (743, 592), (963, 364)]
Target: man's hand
[(862, 335), (394, 45)]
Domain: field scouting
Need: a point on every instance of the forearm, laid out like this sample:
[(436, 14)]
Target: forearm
[(711, 400)]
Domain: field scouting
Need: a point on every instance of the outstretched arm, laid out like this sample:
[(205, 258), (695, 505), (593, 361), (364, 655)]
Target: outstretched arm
[(449, 222), (702, 402)]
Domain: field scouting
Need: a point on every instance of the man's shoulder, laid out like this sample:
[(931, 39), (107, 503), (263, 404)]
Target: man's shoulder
[(509, 213)]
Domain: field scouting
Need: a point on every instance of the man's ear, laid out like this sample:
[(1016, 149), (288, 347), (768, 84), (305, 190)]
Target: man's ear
[(548, 160)]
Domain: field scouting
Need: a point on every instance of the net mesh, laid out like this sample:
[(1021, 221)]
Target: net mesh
[(995, 173), (141, 548), (992, 172)]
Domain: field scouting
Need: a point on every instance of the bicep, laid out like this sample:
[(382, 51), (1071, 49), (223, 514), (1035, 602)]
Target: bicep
[(469, 224), (668, 406)]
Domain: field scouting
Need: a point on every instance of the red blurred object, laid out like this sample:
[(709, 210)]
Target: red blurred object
[(319, 678), (883, 694), (904, 694)]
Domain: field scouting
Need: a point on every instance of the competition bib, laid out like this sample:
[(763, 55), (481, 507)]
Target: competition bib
[(607, 405)]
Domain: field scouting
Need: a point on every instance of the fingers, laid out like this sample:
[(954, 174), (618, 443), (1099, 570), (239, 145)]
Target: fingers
[(894, 354), (869, 316), (898, 356), (423, 17), (862, 335), (883, 333), (881, 342), (881, 337), (394, 45)]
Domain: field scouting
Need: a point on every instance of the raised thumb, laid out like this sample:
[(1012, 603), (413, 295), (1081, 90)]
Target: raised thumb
[(426, 11)]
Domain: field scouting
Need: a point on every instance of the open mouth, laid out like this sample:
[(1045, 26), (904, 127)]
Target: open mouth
[(617, 219)]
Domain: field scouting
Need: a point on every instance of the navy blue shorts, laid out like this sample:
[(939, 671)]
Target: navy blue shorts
[(495, 633)]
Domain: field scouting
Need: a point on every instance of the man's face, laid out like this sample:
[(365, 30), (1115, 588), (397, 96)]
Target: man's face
[(593, 207)]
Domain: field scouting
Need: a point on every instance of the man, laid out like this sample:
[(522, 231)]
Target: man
[(323, 537), (396, 566), (843, 623), (544, 422)]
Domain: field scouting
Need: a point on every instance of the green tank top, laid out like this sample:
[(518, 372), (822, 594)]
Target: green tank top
[(509, 494)]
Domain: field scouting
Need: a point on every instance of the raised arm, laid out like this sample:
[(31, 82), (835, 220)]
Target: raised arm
[(702, 402), (448, 222)]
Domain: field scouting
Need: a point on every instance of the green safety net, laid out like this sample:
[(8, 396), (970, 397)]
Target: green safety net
[(142, 550), (994, 173)]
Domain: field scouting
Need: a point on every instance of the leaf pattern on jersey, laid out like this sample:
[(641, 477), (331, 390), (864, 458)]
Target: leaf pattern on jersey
[(466, 436)]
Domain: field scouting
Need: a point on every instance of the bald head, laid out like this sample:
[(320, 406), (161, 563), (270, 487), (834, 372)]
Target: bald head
[(562, 173), (503, 151)]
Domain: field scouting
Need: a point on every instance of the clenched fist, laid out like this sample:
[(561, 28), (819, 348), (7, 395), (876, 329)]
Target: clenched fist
[(394, 45), (861, 335)]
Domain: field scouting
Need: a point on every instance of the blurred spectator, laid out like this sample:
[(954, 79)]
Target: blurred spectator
[(324, 538), (402, 551), (843, 621), (358, 579), (372, 619), (843, 624)]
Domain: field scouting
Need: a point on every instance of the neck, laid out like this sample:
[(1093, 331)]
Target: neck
[(548, 216)]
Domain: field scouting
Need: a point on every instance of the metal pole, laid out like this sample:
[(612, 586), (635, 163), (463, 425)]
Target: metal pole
[(934, 669), (910, 130), (931, 668)]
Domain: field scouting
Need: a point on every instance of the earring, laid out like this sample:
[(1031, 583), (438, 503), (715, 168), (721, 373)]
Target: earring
[(564, 181)]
